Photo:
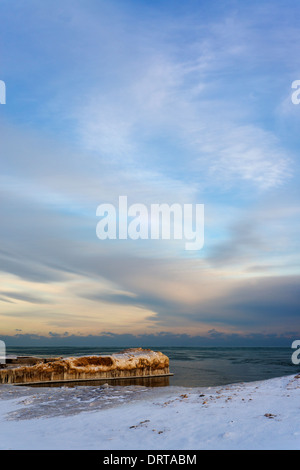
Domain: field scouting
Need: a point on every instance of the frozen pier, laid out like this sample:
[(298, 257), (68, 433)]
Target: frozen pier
[(130, 363)]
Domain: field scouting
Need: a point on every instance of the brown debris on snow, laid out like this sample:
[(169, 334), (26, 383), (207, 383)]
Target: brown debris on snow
[(135, 362), (269, 415)]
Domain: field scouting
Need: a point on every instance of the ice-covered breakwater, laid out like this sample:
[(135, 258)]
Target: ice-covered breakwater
[(129, 363)]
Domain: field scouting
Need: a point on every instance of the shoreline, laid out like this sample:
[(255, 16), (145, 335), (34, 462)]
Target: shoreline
[(252, 415), (201, 367)]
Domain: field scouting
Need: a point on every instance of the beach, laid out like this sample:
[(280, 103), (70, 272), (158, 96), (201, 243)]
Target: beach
[(260, 415)]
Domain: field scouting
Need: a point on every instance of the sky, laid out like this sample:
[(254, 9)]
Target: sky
[(164, 102)]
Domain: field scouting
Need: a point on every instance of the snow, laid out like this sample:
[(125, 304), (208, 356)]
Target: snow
[(256, 415)]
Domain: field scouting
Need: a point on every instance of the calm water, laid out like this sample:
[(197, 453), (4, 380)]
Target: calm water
[(199, 367)]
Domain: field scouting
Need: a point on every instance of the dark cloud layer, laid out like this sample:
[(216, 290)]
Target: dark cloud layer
[(213, 338)]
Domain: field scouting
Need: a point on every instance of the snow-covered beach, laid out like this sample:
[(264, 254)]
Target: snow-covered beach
[(254, 415)]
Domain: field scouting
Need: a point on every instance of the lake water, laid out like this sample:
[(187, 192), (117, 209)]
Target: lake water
[(197, 367)]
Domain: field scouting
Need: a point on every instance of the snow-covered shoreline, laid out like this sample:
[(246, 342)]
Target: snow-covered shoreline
[(255, 415)]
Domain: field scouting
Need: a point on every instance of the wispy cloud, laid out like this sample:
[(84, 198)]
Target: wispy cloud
[(190, 105), (173, 106)]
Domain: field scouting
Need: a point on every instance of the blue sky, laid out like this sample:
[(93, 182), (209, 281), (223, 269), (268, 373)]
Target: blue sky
[(165, 102)]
